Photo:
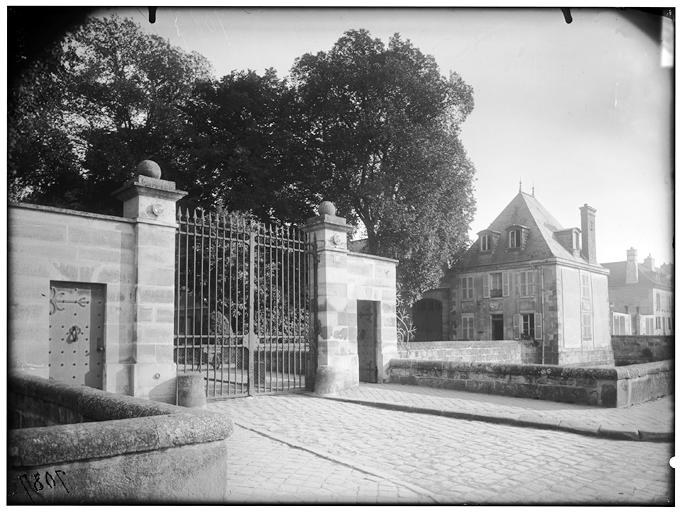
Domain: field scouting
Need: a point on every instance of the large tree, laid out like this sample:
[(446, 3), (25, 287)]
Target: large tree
[(104, 97), (246, 137), (383, 143)]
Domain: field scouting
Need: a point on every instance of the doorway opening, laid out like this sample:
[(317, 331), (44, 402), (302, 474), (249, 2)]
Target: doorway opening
[(496, 327), (367, 340)]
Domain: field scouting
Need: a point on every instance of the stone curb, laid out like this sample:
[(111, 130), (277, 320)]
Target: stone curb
[(531, 420), (340, 460)]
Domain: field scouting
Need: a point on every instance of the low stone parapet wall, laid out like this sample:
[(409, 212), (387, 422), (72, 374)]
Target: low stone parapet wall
[(74, 444), (608, 387), (487, 351), (642, 349)]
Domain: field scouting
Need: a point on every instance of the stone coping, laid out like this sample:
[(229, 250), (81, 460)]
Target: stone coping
[(415, 345), (606, 373), (122, 425), (632, 371), (64, 211), (371, 256)]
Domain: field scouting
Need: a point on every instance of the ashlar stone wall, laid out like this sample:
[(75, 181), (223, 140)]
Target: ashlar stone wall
[(131, 258), (343, 280), (50, 244)]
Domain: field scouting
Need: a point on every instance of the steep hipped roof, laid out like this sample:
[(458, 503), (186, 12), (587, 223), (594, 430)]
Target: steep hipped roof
[(617, 276), (541, 243)]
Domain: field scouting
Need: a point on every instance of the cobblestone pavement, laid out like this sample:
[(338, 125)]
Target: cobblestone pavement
[(653, 416), (416, 456), (261, 470)]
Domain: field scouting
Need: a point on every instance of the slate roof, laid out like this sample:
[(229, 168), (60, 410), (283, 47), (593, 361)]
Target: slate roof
[(617, 276), (541, 243)]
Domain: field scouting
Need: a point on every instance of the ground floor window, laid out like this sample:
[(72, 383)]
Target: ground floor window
[(621, 324), (649, 325), (527, 331), (527, 326), (468, 331)]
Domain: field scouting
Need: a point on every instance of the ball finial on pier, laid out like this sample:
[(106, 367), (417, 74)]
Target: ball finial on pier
[(326, 208), (148, 168)]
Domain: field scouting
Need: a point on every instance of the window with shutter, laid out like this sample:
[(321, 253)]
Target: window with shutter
[(538, 328), (485, 285), (526, 283), (506, 284), (466, 288), (496, 284), (516, 319)]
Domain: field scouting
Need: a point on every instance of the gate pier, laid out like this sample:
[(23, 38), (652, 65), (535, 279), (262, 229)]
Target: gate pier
[(338, 364), (356, 307), (150, 203)]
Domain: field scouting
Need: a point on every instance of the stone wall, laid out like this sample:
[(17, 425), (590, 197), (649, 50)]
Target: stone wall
[(374, 278), (50, 244), (608, 387), (576, 347), (131, 258), (343, 279), (120, 450), (499, 351), (642, 349)]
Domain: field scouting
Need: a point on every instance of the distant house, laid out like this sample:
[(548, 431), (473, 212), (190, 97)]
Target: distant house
[(642, 293), (526, 277)]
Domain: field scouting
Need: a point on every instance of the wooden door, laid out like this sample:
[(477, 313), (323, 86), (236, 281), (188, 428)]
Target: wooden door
[(76, 343)]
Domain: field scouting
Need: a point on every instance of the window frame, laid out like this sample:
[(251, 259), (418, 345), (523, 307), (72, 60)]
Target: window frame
[(496, 292), (528, 320), (514, 237), (467, 327), (484, 243), (467, 288), (527, 285)]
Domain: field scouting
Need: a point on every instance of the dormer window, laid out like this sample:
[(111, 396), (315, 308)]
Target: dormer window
[(488, 240), (514, 237), (517, 236), (484, 244)]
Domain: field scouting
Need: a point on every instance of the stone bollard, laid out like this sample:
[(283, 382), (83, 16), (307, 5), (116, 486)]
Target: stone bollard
[(191, 390)]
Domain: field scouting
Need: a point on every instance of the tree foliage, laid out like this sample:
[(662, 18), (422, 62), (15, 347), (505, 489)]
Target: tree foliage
[(104, 97), (383, 140), (374, 128), (245, 138)]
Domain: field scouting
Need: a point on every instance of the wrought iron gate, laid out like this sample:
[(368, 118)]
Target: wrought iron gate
[(243, 310)]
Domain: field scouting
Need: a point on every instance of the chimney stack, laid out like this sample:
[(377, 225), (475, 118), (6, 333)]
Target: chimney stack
[(588, 250), (649, 263), (631, 266)]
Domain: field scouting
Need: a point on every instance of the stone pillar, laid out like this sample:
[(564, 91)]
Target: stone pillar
[(338, 363), (150, 202)]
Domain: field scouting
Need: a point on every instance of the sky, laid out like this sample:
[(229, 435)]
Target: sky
[(580, 112)]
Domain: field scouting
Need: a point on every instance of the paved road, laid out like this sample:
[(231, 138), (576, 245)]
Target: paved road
[(263, 470), (652, 419), (320, 450)]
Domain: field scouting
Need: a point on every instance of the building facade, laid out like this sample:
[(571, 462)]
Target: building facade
[(644, 293), (527, 278)]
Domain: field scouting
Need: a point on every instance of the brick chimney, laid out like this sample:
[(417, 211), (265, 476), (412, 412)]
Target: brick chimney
[(631, 266), (588, 250), (649, 263)]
